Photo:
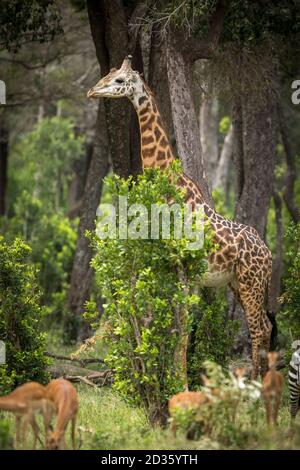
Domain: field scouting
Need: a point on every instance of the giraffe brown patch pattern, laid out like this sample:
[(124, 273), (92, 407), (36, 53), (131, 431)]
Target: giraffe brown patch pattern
[(148, 152), (161, 155), (142, 99), (148, 124), (163, 142), (147, 140), (157, 134), (144, 111)]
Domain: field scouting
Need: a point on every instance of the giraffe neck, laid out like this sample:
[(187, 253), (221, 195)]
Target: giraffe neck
[(156, 151)]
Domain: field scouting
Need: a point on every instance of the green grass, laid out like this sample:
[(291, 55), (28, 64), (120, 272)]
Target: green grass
[(106, 421)]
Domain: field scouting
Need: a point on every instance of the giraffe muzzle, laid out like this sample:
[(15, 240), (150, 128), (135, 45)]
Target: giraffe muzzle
[(91, 93)]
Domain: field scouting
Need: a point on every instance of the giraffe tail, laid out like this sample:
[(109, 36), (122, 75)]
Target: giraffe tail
[(271, 314)]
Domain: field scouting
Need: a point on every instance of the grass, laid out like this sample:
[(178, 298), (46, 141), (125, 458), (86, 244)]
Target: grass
[(106, 421)]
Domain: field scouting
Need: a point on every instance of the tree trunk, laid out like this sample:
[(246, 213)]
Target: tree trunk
[(254, 123), (259, 147), (76, 188), (208, 119), (109, 27), (115, 121), (184, 116), (291, 172), (81, 277), (221, 175), (3, 168), (278, 259), (238, 150), (158, 82)]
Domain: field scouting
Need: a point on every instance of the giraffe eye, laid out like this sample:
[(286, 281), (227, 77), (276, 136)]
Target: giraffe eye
[(120, 80)]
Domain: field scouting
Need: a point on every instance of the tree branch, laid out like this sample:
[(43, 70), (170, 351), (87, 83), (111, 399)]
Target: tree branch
[(82, 362), (202, 49)]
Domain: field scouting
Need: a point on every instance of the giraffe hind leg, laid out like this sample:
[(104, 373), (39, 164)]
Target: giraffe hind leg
[(252, 297)]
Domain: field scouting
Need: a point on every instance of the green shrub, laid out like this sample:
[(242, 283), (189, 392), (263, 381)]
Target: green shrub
[(52, 238), (291, 296), (20, 314), (43, 163), (144, 294), (6, 441), (212, 335)]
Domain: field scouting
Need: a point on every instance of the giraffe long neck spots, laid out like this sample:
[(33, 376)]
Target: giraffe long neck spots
[(156, 150)]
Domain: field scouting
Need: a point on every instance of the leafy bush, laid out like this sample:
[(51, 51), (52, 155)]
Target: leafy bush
[(43, 163), (6, 441), (212, 335), (145, 296), (291, 296), (217, 418), (52, 238), (20, 314)]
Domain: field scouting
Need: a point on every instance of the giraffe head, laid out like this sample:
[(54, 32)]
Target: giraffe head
[(119, 83)]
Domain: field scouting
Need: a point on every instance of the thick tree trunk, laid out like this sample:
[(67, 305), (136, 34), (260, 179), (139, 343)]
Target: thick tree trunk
[(221, 175), (291, 172), (238, 150), (278, 259), (255, 124), (116, 137), (3, 168), (184, 116), (77, 185), (81, 278), (109, 27), (208, 120), (158, 82), (259, 147)]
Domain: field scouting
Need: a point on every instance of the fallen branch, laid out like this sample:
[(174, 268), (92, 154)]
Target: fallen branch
[(82, 362), (79, 378), (79, 374)]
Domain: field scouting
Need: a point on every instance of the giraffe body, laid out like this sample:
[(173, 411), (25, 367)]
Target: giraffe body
[(242, 260)]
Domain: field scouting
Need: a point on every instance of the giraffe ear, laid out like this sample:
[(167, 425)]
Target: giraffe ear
[(113, 70)]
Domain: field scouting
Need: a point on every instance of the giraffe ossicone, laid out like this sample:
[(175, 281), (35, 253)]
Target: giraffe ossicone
[(242, 260)]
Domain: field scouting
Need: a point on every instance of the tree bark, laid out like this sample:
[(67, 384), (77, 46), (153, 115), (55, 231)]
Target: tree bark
[(221, 176), (255, 125), (77, 185), (278, 259), (208, 119), (184, 116), (116, 138), (109, 26), (238, 150), (158, 82), (3, 168), (259, 148), (291, 172), (81, 277)]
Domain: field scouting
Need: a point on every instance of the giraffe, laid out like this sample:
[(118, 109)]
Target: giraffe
[(242, 260)]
